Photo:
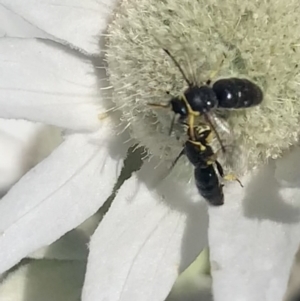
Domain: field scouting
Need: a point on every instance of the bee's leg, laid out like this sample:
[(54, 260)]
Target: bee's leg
[(232, 177), (177, 158), (191, 122), (228, 177), (217, 70), (190, 118)]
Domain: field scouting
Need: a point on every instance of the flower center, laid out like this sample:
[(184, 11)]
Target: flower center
[(256, 43)]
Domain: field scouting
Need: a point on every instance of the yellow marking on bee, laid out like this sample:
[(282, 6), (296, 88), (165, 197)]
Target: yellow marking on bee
[(209, 138), (191, 117), (201, 146), (190, 110), (190, 121), (202, 127)]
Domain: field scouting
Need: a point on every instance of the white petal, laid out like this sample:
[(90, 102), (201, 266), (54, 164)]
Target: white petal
[(15, 141), (56, 196), (40, 82), (255, 235), (78, 23), (12, 25), (143, 242), (46, 280)]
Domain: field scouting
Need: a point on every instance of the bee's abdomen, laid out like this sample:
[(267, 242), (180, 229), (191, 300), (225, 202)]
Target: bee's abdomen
[(208, 185), (236, 93)]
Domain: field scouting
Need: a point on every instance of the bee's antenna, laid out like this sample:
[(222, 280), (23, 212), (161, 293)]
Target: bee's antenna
[(178, 66)]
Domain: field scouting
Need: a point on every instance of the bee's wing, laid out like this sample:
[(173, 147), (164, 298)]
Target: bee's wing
[(232, 159), (223, 128)]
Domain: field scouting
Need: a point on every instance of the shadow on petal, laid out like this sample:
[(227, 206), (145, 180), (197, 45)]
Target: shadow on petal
[(50, 280), (263, 199), (185, 199)]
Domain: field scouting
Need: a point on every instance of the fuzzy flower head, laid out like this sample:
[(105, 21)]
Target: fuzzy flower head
[(255, 43)]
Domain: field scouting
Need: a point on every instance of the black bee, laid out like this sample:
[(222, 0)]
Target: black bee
[(201, 155), (196, 100)]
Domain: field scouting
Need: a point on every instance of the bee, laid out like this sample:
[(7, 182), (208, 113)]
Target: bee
[(201, 155), (207, 169), (200, 100)]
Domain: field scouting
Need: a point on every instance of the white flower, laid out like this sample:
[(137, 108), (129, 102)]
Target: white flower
[(150, 234)]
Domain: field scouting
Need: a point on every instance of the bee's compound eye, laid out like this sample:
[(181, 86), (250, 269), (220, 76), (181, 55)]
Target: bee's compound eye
[(179, 107)]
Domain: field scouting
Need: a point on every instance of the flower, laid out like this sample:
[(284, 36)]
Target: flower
[(151, 232)]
